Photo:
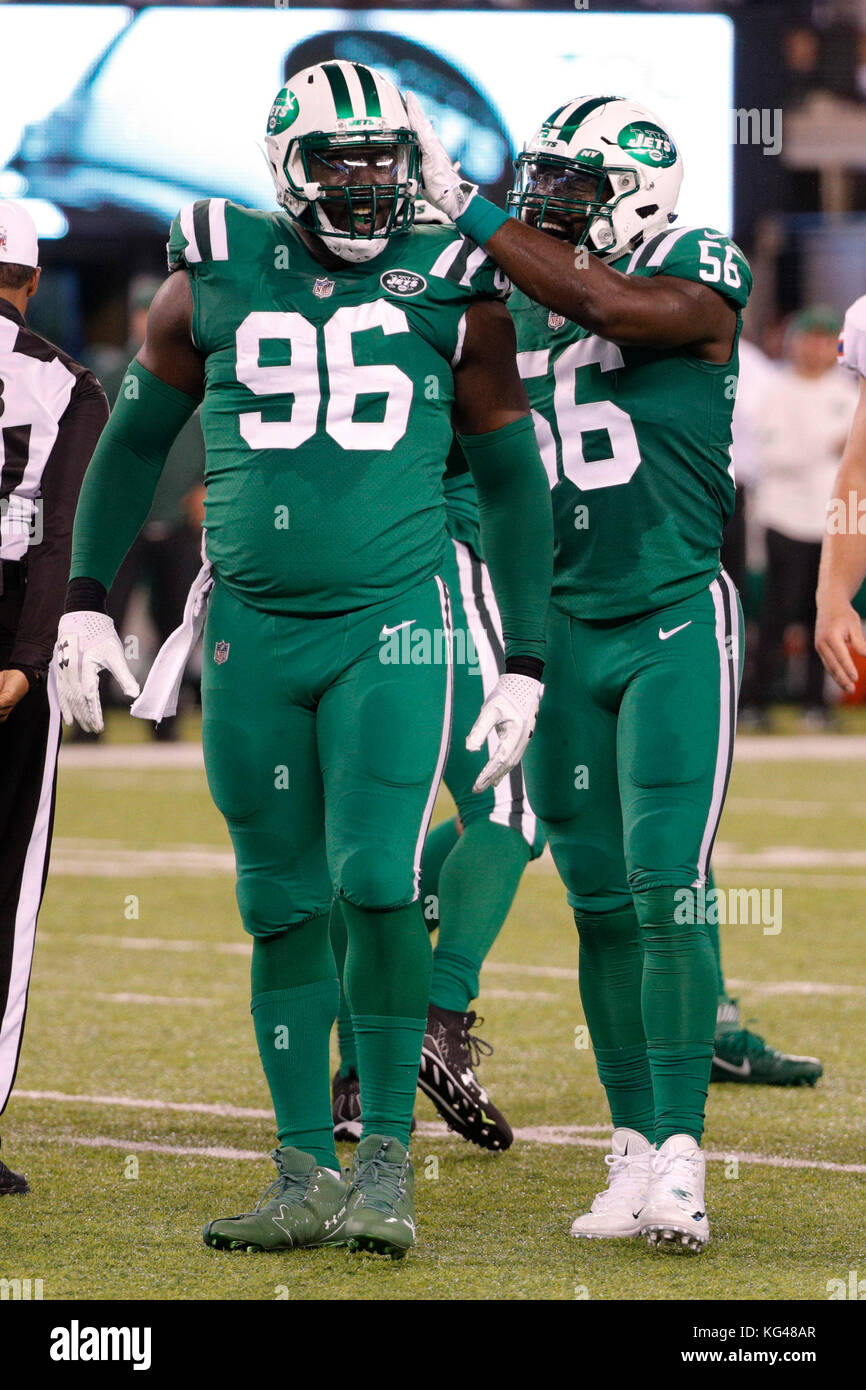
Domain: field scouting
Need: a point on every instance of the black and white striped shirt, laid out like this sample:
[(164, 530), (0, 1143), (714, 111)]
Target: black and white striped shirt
[(52, 412)]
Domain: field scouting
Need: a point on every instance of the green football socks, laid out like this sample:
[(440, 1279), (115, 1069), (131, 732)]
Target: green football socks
[(476, 886), (295, 993), (679, 998), (611, 974), (387, 985)]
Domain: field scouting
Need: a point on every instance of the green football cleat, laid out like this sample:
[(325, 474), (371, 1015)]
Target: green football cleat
[(305, 1207), (739, 1055), (380, 1215)]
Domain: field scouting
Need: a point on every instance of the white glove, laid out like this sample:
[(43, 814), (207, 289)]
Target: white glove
[(87, 643), (511, 708), (444, 186)]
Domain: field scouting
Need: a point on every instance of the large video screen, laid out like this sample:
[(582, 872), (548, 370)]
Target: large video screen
[(115, 117)]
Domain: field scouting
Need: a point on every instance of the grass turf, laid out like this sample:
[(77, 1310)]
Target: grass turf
[(110, 1219)]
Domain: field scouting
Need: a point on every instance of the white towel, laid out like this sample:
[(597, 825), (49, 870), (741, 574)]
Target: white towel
[(159, 696)]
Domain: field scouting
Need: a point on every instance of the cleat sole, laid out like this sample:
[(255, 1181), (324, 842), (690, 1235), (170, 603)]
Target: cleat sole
[(673, 1240), (376, 1245)]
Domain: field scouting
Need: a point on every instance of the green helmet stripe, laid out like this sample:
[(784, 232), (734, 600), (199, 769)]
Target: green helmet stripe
[(551, 120), (339, 91), (370, 90), (584, 110)]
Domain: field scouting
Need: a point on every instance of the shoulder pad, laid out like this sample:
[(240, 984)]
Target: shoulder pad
[(468, 267), (697, 253), (199, 233)]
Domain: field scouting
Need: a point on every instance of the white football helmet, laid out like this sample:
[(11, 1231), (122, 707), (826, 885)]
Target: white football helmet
[(622, 147), (329, 127)]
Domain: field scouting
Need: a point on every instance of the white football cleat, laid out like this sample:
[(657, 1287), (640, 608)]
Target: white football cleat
[(675, 1215), (618, 1211)]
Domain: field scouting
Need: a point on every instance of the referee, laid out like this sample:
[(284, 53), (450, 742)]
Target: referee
[(52, 411)]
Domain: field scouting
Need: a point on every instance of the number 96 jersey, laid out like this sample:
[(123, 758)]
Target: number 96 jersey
[(636, 442), (327, 408)]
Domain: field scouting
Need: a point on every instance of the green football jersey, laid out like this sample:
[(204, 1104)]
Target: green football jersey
[(327, 408), (636, 441)]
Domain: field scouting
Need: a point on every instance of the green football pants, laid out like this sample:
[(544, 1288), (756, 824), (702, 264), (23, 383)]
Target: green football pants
[(325, 741), (628, 771), (629, 764)]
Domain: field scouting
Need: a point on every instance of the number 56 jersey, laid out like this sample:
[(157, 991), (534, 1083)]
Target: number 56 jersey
[(327, 408), (636, 442)]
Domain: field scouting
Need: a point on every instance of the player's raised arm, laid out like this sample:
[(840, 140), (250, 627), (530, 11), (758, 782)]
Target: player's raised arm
[(161, 390), (838, 629), (566, 207), (491, 415)]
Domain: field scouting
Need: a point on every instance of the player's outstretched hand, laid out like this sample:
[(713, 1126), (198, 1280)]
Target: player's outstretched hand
[(87, 643), (511, 709), (838, 631), (444, 186)]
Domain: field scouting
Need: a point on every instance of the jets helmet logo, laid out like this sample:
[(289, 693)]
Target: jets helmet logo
[(283, 112), (648, 143)]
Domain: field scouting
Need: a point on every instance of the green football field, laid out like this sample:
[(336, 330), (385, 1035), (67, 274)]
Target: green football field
[(141, 1112)]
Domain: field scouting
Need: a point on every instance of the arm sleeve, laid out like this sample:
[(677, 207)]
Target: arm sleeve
[(48, 561), (516, 530), (121, 480)]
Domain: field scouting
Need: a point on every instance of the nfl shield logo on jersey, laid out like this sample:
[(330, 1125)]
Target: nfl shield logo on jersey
[(221, 653), (323, 287), (555, 321)]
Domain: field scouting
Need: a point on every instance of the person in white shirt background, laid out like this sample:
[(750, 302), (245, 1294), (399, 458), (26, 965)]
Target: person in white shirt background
[(806, 413)]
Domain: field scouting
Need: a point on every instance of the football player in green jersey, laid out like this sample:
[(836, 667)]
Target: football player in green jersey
[(627, 336), (335, 349)]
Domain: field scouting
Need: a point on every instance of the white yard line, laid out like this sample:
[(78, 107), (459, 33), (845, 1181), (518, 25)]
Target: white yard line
[(491, 967), (791, 748), (96, 858), (729, 856), (581, 1136), (145, 757), (802, 987), (191, 1107), (751, 749)]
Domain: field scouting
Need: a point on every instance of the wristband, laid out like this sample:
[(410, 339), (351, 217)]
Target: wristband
[(85, 595), (480, 220), (525, 666)]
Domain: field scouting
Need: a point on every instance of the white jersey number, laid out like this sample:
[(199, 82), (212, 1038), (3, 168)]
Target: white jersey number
[(574, 421), (300, 379)]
